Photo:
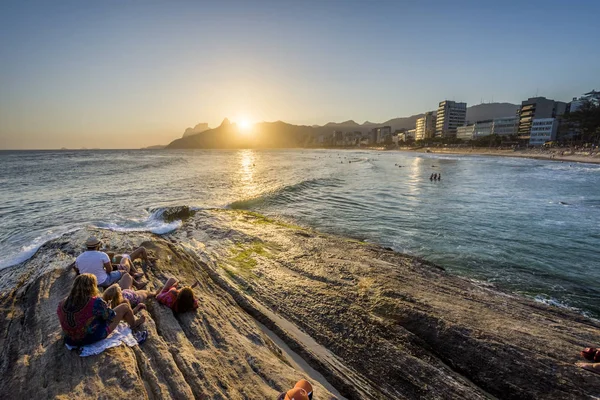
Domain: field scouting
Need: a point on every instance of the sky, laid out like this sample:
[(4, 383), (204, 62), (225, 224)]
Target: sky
[(129, 74)]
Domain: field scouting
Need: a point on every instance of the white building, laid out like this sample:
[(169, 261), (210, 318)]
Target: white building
[(543, 130), (425, 127), (450, 115), (465, 132), (593, 97), (483, 128), (498, 126)]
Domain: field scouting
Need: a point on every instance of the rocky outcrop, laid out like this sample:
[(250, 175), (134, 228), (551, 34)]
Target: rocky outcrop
[(372, 323), (218, 352)]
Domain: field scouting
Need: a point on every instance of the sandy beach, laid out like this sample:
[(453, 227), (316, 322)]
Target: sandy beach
[(556, 154)]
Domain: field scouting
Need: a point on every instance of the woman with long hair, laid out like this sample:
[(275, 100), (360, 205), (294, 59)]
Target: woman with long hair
[(85, 318)]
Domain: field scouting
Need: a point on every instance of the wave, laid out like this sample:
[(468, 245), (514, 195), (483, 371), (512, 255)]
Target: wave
[(551, 301), (160, 221), (285, 194), (29, 250)]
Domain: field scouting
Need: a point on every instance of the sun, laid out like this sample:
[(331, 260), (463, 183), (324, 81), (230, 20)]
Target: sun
[(244, 125)]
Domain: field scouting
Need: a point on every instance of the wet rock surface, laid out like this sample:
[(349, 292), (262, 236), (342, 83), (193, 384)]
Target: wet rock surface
[(376, 324), (404, 327)]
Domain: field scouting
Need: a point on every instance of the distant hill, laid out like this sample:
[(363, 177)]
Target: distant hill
[(201, 127), (345, 124), (482, 112), (403, 123), (263, 135)]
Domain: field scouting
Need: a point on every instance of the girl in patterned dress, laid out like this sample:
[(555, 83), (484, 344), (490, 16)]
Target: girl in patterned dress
[(86, 318)]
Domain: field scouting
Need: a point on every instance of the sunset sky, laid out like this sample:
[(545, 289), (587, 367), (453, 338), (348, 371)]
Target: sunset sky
[(128, 74)]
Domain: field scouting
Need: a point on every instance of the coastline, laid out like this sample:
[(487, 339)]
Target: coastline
[(548, 155), (373, 323)]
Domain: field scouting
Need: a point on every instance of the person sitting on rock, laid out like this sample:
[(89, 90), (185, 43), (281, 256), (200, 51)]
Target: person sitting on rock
[(302, 390), (96, 262), (178, 300), (85, 318), (123, 293), (126, 261)]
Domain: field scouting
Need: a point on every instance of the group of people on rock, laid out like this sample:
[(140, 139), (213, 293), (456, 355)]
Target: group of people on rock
[(435, 177), (86, 316)]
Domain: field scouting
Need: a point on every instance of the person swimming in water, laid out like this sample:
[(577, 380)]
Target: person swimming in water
[(439, 177), (431, 177)]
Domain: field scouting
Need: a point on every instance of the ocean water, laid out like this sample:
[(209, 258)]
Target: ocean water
[(528, 226)]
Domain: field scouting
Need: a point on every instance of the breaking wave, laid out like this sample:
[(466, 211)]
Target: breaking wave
[(286, 194)]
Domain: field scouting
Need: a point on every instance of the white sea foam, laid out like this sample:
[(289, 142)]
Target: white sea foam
[(153, 223), (159, 228), (27, 251)]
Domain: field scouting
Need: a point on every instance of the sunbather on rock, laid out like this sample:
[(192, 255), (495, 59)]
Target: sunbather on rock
[(86, 318), (123, 293), (126, 261), (179, 300)]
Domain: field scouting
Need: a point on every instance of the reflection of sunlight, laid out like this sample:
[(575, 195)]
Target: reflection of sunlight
[(416, 176), (246, 173)]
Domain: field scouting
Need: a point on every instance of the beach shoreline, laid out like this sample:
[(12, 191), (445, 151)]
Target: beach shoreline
[(587, 157)]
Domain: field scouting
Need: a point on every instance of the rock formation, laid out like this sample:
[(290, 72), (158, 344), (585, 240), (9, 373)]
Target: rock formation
[(372, 323), (199, 128)]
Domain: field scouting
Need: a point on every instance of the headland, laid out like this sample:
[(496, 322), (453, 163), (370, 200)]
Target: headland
[(371, 323)]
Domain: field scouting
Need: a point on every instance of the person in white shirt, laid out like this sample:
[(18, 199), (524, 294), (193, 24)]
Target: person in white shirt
[(97, 263)]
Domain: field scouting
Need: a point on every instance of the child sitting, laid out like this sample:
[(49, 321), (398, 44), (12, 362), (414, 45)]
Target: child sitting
[(178, 300)]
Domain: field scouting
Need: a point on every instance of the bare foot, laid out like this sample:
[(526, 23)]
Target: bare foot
[(139, 321), (592, 367)]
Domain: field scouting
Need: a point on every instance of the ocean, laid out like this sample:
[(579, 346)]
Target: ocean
[(527, 226)]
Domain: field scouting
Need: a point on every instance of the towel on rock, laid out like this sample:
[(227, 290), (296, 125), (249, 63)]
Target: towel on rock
[(121, 334)]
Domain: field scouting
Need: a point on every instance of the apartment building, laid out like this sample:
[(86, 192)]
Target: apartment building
[(537, 108), (543, 130), (425, 127), (450, 115)]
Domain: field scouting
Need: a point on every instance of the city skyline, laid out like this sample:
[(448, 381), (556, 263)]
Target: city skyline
[(128, 76)]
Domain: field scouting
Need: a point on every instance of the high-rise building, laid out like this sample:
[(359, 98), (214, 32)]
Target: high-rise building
[(425, 127), (537, 108), (450, 115)]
